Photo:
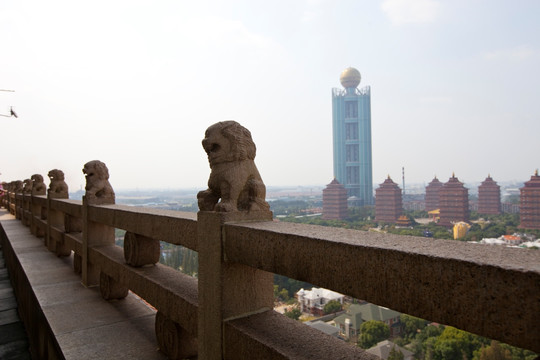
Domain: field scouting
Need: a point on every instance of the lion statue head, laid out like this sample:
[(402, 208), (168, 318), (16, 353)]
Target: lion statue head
[(98, 189), (17, 186), (39, 187), (58, 187), (27, 186), (56, 175), (228, 141)]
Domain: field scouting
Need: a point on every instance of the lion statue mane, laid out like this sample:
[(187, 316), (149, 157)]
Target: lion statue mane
[(17, 186), (58, 187), (98, 189), (27, 186), (38, 186), (234, 178)]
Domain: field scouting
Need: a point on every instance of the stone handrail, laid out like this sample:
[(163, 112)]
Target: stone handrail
[(491, 291)]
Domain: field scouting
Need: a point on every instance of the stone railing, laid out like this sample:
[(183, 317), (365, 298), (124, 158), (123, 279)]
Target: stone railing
[(227, 312)]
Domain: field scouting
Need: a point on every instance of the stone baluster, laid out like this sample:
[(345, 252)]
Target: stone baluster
[(174, 340), (18, 191), (235, 193), (98, 192), (58, 189), (26, 204), (38, 188), (140, 250)]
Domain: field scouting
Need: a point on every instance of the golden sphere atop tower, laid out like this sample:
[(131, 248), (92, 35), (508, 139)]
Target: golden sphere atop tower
[(350, 78)]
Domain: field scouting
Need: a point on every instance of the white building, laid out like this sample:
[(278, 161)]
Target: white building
[(313, 301)]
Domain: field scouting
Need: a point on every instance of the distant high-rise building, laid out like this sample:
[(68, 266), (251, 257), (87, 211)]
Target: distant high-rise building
[(453, 202), (529, 203), (388, 201), (489, 197), (334, 198), (351, 125), (432, 194)]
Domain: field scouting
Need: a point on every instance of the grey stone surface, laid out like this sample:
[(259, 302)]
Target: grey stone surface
[(117, 340), (13, 338), (5, 289), (94, 312), (84, 325), (15, 350), (8, 316), (8, 303)]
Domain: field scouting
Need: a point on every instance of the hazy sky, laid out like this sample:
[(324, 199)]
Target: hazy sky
[(135, 84)]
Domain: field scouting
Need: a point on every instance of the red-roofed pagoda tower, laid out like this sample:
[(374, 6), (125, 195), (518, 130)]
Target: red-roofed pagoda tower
[(489, 197), (529, 203), (388, 202), (432, 194), (453, 202), (334, 198)]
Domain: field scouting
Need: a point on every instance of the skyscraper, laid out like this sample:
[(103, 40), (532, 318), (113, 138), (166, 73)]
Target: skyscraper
[(351, 125)]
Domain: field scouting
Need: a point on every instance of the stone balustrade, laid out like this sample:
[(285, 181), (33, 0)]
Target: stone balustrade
[(226, 313), (488, 290)]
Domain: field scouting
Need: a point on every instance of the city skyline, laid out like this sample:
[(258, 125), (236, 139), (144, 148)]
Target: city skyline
[(136, 84)]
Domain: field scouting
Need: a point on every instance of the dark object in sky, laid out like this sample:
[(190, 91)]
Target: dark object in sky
[(13, 113)]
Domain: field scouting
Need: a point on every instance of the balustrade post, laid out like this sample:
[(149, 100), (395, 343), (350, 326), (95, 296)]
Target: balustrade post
[(18, 205), (27, 211), (11, 197), (226, 290), (36, 187), (94, 234), (98, 192), (34, 210), (58, 189), (26, 214), (235, 193)]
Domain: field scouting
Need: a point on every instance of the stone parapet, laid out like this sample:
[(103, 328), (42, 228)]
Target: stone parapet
[(469, 286), (77, 287)]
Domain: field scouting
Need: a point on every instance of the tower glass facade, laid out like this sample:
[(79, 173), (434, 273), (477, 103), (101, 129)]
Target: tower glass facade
[(351, 125)]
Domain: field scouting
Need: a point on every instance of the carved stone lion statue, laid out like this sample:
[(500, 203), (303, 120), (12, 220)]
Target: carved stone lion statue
[(17, 186), (39, 187), (27, 187), (58, 187), (98, 189), (234, 178)]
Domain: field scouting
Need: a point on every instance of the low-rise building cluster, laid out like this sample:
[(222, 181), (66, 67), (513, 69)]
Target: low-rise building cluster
[(449, 199)]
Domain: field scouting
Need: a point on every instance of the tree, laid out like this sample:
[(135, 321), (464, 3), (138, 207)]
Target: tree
[(372, 332), (520, 354), (411, 325), (283, 295), (493, 352), (294, 313), (332, 306), (395, 354), (456, 344)]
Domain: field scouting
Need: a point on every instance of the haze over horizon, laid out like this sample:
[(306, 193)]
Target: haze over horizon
[(135, 84)]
